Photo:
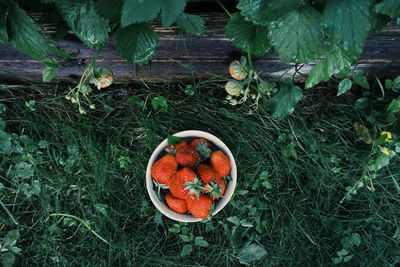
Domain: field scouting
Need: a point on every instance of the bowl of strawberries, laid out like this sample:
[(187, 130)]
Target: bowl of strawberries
[(191, 176)]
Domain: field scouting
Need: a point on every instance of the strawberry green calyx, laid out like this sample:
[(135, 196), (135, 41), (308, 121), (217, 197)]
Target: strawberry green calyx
[(159, 187), (204, 150), (195, 187), (214, 190)]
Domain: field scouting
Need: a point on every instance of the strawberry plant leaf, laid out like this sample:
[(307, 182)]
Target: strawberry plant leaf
[(110, 10), (83, 19), (251, 253), (336, 59), (3, 24), (136, 11), (244, 34), (389, 7), (48, 73), (344, 86), (394, 106), (192, 24), (159, 102), (262, 12), (298, 36), (137, 42), (348, 23), (360, 79), (283, 103), (173, 140), (187, 250), (24, 34), (199, 241)]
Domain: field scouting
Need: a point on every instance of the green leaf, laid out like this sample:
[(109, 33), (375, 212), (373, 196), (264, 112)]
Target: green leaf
[(24, 34), (159, 102), (136, 11), (251, 253), (185, 238), (344, 86), (7, 259), (283, 103), (389, 7), (394, 106), (298, 36), (397, 233), (187, 250), (388, 84), (263, 12), (110, 10), (24, 170), (199, 241), (264, 175), (10, 239), (173, 140), (337, 260), (48, 73), (137, 42), (244, 34), (83, 19), (348, 258), (267, 185), (343, 252), (360, 79), (348, 23), (382, 161), (192, 24), (3, 24), (336, 59)]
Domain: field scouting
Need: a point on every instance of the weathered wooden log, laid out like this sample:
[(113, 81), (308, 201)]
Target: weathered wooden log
[(180, 56)]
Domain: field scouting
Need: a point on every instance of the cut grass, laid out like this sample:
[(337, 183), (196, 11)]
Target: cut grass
[(299, 221)]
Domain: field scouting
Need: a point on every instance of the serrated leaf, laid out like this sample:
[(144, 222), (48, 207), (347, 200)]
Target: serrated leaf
[(136, 11), (360, 79), (348, 23), (262, 12), (389, 7), (199, 241), (298, 36), (251, 253), (3, 24), (283, 103), (244, 34), (192, 24), (344, 86), (159, 102), (137, 42), (110, 10), (24, 34), (48, 73), (336, 59), (83, 19)]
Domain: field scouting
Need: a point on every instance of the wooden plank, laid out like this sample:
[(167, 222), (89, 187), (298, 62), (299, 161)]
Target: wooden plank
[(183, 57)]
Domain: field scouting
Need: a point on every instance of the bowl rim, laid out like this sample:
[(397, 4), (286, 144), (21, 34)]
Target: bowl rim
[(161, 206)]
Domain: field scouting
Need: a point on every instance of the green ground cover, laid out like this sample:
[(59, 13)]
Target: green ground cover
[(75, 184)]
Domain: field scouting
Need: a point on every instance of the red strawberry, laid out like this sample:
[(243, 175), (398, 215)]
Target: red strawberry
[(221, 163), (206, 173), (187, 156), (163, 169), (195, 142), (174, 148), (200, 207), (176, 204), (216, 188), (184, 184)]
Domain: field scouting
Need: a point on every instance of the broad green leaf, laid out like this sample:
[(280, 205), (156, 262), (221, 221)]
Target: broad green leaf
[(159, 102), (343, 252), (48, 73), (187, 250), (348, 23), (389, 7), (360, 79), (51, 62), (382, 161), (388, 84), (173, 140), (3, 24), (283, 103), (199, 241), (347, 258), (344, 86), (24, 34), (7, 259), (244, 34), (262, 12), (394, 106), (110, 10), (298, 36), (251, 253), (137, 43), (83, 19), (10, 239), (191, 24), (136, 11), (336, 59), (24, 170)]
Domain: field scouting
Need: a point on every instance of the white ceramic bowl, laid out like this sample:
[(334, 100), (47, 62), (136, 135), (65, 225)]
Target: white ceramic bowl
[(219, 205)]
